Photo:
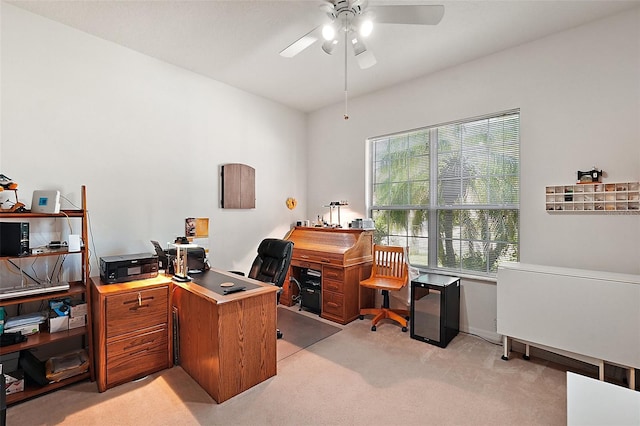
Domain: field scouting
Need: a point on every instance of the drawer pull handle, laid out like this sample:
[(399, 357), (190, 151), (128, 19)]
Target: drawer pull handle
[(140, 343), (332, 275), (138, 352), (333, 305), (304, 256), (139, 300), (325, 260)]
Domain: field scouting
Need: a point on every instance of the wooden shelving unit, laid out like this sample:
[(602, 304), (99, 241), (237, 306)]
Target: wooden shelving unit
[(77, 289), (621, 197)]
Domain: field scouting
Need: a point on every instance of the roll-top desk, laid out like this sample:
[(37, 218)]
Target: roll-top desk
[(344, 257)]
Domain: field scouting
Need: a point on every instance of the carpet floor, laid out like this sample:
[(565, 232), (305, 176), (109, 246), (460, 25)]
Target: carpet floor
[(300, 331), (352, 377)]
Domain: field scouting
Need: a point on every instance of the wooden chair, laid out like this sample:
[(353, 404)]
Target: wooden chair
[(389, 272)]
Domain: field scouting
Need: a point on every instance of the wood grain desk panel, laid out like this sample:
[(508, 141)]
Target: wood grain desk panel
[(226, 343), (128, 342)]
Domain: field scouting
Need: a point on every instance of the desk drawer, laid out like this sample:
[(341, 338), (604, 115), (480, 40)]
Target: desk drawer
[(333, 273), (333, 304), (137, 356), (136, 310), (296, 263), (317, 257), (331, 285)]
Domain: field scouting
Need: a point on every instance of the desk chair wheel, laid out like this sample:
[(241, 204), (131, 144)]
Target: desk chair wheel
[(404, 329), (361, 317), (278, 334), (373, 328)]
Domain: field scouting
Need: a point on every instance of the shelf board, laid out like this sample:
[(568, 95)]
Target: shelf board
[(63, 213), (75, 288), (54, 252), (31, 390), (43, 338)]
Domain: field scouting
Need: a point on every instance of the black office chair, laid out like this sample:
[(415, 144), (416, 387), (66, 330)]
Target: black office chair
[(271, 264)]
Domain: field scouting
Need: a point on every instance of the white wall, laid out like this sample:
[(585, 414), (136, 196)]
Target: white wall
[(579, 95), (145, 137), (148, 138)]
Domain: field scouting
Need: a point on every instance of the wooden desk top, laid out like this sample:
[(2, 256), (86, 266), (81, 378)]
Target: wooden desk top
[(106, 288), (208, 285)]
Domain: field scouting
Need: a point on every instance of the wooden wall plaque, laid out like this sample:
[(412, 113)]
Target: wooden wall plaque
[(238, 186)]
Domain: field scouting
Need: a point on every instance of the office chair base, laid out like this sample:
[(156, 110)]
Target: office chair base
[(398, 315)]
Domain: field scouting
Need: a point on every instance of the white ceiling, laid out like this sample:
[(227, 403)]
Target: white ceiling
[(237, 42)]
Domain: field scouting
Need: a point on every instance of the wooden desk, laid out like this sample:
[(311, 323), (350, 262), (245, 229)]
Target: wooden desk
[(344, 258), (226, 343)]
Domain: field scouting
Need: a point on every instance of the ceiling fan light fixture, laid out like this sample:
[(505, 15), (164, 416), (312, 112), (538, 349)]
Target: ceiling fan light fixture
[(328, 32), (328, 46), (358, 46), (366, 27)]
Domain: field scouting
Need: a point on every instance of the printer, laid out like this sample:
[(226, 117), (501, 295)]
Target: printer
[(128, 267)]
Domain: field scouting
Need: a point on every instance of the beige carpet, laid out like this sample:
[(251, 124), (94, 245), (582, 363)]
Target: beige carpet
[(300, 331), (354, 377)]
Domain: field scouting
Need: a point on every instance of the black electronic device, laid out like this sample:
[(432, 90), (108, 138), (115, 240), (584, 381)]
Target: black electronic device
[(196, 258), (128, 267), (233, 290), (310, 290), (14, 239)]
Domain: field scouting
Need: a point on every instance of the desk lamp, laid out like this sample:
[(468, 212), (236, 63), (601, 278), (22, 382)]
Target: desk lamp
[(181, 266), (333, 205)]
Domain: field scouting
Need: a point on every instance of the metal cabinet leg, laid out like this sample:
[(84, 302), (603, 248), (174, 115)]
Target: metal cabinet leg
[(601, 370), (526, 352), (505, 347)]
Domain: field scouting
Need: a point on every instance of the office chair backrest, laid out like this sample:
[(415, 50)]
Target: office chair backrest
[(273, 260), (389, 262)]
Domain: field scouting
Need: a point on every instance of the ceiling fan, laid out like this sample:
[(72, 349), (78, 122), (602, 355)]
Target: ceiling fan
[(354, 20)]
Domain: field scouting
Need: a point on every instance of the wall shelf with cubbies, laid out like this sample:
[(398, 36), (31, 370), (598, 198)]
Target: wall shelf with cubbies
[(622, 197)]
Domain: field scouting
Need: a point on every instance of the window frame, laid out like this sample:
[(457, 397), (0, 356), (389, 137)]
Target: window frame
[(434, 207)]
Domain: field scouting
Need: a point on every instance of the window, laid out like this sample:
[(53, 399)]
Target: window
[(450, 193)]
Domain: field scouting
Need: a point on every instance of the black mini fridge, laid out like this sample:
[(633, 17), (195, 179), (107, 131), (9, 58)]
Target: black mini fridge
[(435, 308)]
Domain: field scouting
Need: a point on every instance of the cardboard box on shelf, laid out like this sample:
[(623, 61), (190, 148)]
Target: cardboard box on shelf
[(15, 381), (76, 322), (57, 323), (78, 308), (24, 329)]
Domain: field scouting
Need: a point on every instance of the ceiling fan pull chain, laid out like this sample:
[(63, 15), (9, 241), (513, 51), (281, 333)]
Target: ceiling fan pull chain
[(346, 112)]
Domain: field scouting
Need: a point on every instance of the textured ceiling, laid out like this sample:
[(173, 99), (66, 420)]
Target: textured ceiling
[(237, 42)]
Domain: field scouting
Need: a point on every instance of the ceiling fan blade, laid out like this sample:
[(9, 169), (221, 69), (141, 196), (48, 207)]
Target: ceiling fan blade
[(408, 14), (300, 44)]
